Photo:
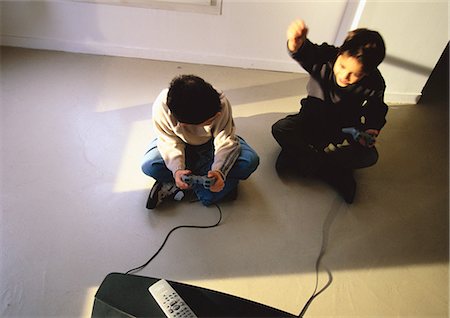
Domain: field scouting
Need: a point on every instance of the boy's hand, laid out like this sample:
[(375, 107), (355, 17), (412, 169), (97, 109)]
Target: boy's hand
[(180, 184), (296, 35), (219, 184), (374, 133)]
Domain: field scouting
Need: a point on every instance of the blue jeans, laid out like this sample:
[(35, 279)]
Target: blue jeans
[(199, 160)]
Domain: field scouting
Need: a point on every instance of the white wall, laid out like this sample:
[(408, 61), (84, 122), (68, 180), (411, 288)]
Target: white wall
[(249, 33), (416, 33)]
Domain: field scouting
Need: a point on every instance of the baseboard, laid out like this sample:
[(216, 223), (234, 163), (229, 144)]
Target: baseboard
[(149, 53), (401, 98)]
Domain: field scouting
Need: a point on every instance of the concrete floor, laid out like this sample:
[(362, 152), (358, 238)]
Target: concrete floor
[(74, 129)]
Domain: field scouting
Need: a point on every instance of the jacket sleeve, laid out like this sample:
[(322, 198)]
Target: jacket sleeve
[(310, 54), (171, 147), (375, 111), (226, 143)]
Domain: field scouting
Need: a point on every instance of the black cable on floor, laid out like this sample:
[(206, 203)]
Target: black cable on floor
[(173, 230), (325, 231)]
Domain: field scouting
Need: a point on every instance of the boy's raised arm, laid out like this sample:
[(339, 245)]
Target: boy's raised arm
[(296, 35)]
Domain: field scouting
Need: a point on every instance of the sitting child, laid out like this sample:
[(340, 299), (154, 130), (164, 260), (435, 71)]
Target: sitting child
[(345, 90), (195, 135)]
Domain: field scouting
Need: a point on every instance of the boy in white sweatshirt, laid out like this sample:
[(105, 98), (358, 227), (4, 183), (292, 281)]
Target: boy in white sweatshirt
[(195, 136)]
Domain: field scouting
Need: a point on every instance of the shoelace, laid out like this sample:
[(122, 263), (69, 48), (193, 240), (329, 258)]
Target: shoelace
[(166, 191)]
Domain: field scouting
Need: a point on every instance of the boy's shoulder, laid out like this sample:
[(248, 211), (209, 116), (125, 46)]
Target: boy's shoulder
[(371, 85), (375, 80), (323, 49), (161, 101), (224, 102), (162, 97), (160, 109)]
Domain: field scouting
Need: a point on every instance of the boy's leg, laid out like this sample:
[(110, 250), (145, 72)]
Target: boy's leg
[(303, 137), (246, 163), (300, 145), (287, 130), (337, 167), (207, 197), (153, 165), (244, 166), (312, 125), (340, 178), (354, 156)]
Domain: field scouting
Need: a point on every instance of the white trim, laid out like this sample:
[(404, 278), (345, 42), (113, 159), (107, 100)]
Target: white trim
[(402, 98), (148, 53)]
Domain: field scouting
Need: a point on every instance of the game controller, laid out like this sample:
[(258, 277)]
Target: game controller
[(205, 181), (357, 134)]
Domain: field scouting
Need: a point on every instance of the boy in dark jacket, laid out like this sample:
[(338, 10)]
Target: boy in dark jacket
[(345, 90)]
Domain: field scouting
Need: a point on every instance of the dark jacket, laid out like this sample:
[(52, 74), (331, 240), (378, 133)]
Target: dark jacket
[(359, 105)]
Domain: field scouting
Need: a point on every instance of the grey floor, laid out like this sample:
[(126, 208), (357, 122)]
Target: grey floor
[(74, 128)]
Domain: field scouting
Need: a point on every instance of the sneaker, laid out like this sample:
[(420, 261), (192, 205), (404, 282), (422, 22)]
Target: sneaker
[(160, 191)]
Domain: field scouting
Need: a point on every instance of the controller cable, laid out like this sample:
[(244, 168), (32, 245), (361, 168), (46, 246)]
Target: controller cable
[(325, 231), (139, 268), (326, 227)]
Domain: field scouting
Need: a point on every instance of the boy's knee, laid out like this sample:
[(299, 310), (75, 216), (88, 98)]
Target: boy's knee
[(156, 170), (253, 163), (285, 131), (147, 167), (248, 165), (206, 202), (277, 131), (372, 158), (205, 197)]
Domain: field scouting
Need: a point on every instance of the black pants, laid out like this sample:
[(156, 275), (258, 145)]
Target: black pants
[(304, 136)]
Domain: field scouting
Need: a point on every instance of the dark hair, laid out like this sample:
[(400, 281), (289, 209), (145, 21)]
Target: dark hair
[(365, 45), (192, 100)]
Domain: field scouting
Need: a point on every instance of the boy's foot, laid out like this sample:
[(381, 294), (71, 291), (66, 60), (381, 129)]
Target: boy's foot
[(301, 164), (340, 179), (282, 165), (231, 196), (160, 191)]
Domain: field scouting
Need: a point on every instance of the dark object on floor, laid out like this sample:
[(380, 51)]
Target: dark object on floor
[(126, 295)]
